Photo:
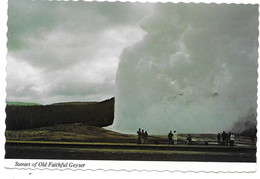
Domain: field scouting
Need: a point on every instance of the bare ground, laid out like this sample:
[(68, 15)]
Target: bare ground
[(82, 142)]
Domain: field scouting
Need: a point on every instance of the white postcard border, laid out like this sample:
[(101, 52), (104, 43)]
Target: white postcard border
[(8, 164), (129, 165)]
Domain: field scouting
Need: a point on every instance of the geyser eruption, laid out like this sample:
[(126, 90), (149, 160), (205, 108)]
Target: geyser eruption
[(194, 71)]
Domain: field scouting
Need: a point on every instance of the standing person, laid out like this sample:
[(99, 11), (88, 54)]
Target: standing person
[(170, 137), (175, 138), (224, 137), (189, 140), (232, 139), (145, 136), (142, 136), (218, 137), (139, 136)]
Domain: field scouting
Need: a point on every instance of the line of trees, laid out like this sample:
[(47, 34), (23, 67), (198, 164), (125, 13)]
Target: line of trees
[(98, 114)]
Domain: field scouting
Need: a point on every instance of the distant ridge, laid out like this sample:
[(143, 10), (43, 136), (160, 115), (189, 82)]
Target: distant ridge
[(74, 103), (13, 103)]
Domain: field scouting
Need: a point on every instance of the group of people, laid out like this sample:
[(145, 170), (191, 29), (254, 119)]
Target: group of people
[(226, 138), (173, 137), (223, 139), (142, 136)]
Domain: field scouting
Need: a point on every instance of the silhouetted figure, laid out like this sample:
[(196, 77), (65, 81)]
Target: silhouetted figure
[(175, 138), (170, 137), (139, 136), (232, 139), (224, 138), (219, 138), (142, 136), (145, 137), (189, 140)]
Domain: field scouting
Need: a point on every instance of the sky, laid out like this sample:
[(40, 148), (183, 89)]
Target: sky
[(68, 51), (191, 67)]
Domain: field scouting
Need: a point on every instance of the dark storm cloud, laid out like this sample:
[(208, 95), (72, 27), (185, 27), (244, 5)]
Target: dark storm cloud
[(59, 50)]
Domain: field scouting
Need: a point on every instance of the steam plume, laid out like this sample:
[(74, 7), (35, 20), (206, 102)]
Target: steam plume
[(195, 70)]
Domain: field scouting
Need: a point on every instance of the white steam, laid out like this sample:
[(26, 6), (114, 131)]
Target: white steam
[(195, 70)]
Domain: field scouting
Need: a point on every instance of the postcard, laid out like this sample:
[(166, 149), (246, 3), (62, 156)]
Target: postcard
[(131, 86)]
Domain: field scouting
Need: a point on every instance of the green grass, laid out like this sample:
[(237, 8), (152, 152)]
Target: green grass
[(74, 103), (13, 103)]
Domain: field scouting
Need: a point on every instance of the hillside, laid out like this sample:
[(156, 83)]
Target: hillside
[(98, 114)]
